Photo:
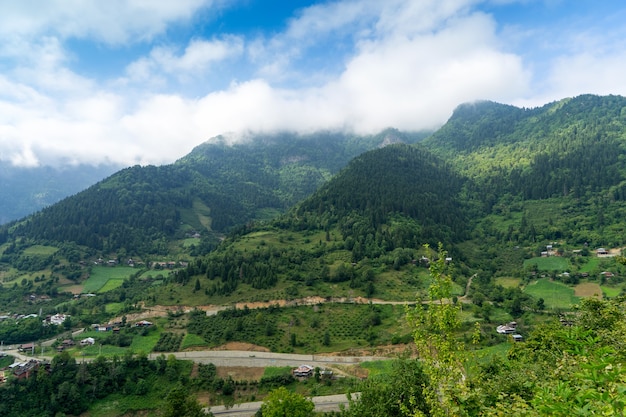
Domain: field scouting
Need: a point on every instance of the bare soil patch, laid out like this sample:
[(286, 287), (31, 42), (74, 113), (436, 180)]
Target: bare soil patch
[(242, 346), (588, 289), (74, 289), (386, 350), (240, 373)]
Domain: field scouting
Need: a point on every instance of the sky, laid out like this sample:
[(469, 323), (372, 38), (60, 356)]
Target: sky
[(145, 81)]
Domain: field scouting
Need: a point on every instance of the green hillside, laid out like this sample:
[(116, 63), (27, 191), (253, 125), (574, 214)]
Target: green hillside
[(216, 187), (323, 243), (360, 234), (495, 185)]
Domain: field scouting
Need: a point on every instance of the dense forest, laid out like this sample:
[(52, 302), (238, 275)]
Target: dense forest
[(566, 148), (211, 190)]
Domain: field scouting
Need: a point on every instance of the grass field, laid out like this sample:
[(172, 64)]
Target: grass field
[(40, 250), (114, 308), (591, 265), (145, 344), (552, 263), (611, 291), (100, 276), (377, 367), (508, 282), (554, 294), (192, 340), (273, 371), (111, 285)]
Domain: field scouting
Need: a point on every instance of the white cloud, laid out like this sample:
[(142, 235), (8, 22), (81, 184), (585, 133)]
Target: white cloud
[(110, 21), (195, 60), (587, 72), (408, 64)]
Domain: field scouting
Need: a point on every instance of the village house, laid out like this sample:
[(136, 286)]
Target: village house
[(88, 341), (509, 328), (143, 323), (28, 347), (303, 371), (66, 344), (102, 327), (56, 319), (23, 370)]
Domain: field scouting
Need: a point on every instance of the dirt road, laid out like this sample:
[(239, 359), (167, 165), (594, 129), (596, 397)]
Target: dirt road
[(322, 404)]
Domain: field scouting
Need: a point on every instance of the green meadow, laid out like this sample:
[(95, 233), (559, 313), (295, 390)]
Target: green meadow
[(551, 263), (554, 294), (100, 276)]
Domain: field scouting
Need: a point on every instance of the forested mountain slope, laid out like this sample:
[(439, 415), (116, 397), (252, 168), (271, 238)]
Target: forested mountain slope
[(569, 147), (371, 218), (215, 187), (396, 180)]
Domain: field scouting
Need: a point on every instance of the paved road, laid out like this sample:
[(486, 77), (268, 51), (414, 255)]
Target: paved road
[(322, 404), (265, 359), (242, 358)]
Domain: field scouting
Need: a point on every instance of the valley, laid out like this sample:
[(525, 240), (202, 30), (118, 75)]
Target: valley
[(396, 263)]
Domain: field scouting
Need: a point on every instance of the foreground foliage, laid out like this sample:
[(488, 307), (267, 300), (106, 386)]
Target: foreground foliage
[(575, 367), (280, 402)]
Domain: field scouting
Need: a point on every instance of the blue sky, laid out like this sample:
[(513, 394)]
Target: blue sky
[(143, 82)]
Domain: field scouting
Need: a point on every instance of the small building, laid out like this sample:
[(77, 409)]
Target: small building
[(28, 347), (303, 371), (517, 337), (143, 323), (57, 319), (66, 344), (509, 328), (88, 341), (23, 370)]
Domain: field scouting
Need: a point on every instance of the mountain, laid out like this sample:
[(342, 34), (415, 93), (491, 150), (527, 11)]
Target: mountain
[(395, 180), (493, 179), (217, 186), (569, 147), (495, 184), (372, 218), (24, 191)]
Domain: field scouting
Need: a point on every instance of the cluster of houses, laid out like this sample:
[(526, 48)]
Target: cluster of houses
[(132, 263), (600, 252), (169, 265), (510, 328), (23, 370), (115, 326), (57, 319), (17, 317), (36, 298), (69, 343)]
